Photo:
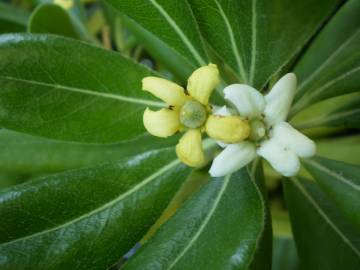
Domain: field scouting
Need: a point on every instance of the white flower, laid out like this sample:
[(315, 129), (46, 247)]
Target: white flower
[(271, 137)]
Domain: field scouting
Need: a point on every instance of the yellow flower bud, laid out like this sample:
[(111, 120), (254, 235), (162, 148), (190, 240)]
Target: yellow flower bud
[(202, 82), (162, 123), (228, 129), (169, 92), (190, 150)]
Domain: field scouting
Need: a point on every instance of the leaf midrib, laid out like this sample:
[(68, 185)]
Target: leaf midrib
[(88, 92), (141, 184), (328, 60), (304, 101), (324, 216), (253, 41), (177, 29), (205, 222), (263, 203), (327, 118), (333, 174), (234, 47)]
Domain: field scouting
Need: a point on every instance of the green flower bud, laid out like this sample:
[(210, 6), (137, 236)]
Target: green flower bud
[(258, 130)]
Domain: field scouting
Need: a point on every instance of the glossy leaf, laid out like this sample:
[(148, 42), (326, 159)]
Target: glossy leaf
[(191, 185), (172, 22), (331, 65), (89, 218), (346, 149), (347, 116), (24, 154), (218, 228), (324, 239), (12, 19), (317, 118), (64, 89), (7, 180), (341, 182), (261, 259), (53, 19), (158, 49), (258, 38)]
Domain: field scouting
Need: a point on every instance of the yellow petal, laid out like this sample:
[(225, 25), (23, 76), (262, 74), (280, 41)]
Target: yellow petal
[(166, 90), (189, 149), (162, 123), (228, 129), (202, 82)]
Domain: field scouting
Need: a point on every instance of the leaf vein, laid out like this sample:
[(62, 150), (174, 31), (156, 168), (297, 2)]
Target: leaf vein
[(325, 217), (334, 174), (233, 43), (205, 222), (253, 42), (88, 92), (143, 183), (177, 29)]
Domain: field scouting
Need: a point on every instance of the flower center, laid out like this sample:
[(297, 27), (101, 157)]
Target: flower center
[(258, 130), (192, 114)]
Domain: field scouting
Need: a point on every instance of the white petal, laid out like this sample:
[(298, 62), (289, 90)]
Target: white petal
[(294, 140), (232, 158), (279, 99), (248, 101), (222, 144), (222, 111), (282, 159)]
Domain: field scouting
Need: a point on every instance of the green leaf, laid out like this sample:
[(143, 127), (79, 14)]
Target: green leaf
[(324, 239), (347, 116), (7, 180), (318, 120), (341, 182), (77, 8), (12, 19), (191, 185), (65, 89), (86, 219), (261, 259), (284, 254), (53, 19), (158, 49), (21, 153), (258, 38), (171, 21), (346, 149), (218, 228), (330, 67)]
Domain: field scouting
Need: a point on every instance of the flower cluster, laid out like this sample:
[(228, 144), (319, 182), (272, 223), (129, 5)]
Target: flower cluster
[(253, 126), (189, 111), (271, 137)]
